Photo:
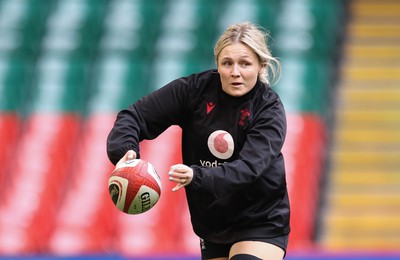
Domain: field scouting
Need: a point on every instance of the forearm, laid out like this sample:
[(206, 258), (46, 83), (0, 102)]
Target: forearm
[(123, 136)]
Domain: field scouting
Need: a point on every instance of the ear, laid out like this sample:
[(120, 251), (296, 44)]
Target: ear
[(263, 64), (262, 69)]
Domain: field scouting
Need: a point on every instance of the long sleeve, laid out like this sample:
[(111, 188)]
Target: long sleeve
[(147, 118)]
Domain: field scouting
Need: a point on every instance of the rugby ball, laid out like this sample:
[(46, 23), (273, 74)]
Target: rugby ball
[(134, 186)]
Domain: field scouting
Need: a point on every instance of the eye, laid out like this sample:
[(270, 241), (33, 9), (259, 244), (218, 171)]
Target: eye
[(226, 63)]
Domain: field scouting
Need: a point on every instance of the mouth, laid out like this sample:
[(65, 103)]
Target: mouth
[(236, 84)]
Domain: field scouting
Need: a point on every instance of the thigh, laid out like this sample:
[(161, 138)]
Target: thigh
[(259, 249)]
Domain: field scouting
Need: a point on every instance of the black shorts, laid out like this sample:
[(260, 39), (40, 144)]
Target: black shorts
[(213, 250)]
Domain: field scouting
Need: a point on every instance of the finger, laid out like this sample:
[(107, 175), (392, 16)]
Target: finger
[(130, 155), (183, 179), (178, 175), (174, 172), (181, 169), (177, 187)]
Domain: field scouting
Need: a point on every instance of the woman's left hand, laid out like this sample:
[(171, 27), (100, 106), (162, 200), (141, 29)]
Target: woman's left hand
[(181, 174)]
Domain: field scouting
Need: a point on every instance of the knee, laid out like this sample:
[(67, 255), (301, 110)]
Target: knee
[(244, 257)]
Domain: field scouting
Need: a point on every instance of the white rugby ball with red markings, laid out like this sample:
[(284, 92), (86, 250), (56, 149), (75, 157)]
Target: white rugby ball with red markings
[(134, 186)]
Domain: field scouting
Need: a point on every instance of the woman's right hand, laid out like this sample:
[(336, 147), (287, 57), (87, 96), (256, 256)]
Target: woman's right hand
[(130, 155)]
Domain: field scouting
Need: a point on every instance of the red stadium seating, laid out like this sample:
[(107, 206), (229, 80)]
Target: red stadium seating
[(85, 221), (304, 156), (36, 185), (10, 125)]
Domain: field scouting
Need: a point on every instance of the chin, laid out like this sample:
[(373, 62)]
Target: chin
[(235, 92)]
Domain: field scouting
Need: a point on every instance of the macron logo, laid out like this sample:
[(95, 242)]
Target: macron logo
[(210, 106)]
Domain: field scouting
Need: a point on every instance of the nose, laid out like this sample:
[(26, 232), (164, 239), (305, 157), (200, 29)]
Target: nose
[(235, 71)]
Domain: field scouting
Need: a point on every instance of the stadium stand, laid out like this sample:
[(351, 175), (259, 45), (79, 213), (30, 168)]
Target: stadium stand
[(45, 150), (18, 46), (309, 55), (13, 72), (363, 199), (22, 25), (36, 177), (84, 221), (68, 66)]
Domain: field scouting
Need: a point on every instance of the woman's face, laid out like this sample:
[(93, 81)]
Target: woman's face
[(238, 67)]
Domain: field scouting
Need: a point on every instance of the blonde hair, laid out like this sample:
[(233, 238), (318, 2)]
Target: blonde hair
[(256, 39)]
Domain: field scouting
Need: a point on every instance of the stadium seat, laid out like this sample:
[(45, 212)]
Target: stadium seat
[(59, 83), (363, 199), (84, 222), (118, 81), (14, 74), (122, 25), (39, 175), (74, 26), (304, 152), (14, 79), (10, 127), (268, 12), (22, 25)]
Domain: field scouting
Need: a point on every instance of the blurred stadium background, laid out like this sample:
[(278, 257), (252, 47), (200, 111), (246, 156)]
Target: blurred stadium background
[(68, 66)]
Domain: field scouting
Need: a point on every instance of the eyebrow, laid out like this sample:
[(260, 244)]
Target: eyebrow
[(241, 57)]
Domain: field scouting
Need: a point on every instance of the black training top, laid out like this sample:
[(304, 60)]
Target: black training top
[(233, 145)]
